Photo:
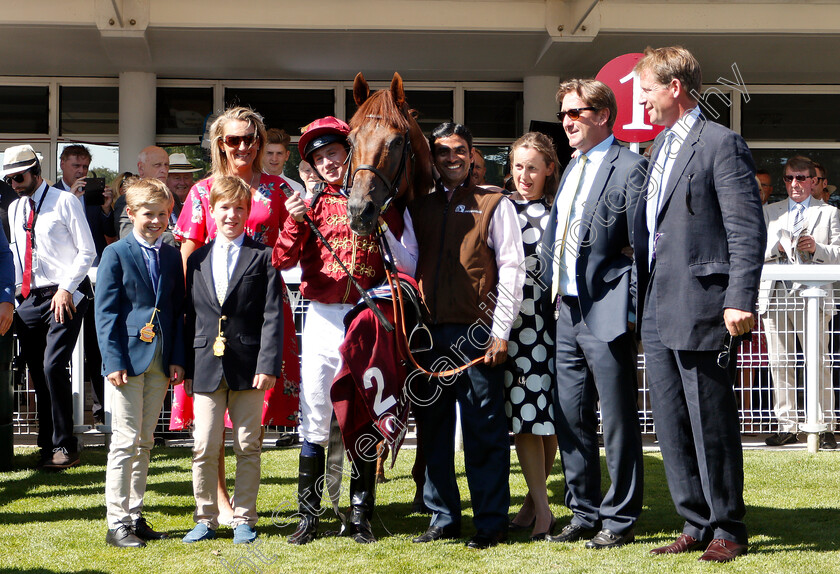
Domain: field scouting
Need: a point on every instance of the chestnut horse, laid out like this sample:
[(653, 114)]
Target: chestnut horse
[(389, 156)]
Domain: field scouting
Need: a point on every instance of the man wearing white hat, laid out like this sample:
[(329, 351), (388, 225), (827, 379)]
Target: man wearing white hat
[(52, 250), (180, 180)]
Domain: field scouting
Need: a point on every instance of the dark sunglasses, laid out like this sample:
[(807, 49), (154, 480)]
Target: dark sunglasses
[(799, 178), (574, 113), (730, 348), (18, 178), (234, 141)]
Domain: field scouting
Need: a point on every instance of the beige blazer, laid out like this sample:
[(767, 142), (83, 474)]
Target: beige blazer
[(822, 222)]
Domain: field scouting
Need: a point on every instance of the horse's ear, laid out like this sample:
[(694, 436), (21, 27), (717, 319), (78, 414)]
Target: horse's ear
[(361, 91), (397, 89)]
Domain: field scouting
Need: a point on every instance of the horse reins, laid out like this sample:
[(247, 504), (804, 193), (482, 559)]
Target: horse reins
[(392, 185), (380, 316), (403, 345)]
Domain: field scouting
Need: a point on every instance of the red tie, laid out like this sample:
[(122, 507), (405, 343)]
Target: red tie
[(27, 264)]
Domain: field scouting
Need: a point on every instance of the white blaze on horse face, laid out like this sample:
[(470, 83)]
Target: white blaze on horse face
[(329, 161), (452, 160)]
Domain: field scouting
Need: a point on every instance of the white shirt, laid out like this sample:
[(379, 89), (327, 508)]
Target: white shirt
[(504, 237), (224, 262), (405, 249), (567, 270), (666, 155), (63, 243)]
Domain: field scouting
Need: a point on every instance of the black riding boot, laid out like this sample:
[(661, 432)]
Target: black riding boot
[(309, 497), (362, 497)]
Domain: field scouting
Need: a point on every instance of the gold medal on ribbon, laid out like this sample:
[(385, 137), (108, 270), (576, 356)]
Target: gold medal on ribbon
[(219, 344), (147, 333)]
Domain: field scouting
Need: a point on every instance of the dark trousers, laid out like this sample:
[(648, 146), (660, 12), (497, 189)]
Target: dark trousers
[(696, 417), (480, 393), (589, 370), (93, 363), (47, 346)]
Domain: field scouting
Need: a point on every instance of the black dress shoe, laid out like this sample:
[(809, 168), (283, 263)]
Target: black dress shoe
[(608, 539), (143, 531), (484, 540), (437, 533), (827, 440), (781, 439), (572, 533), (122, 537)]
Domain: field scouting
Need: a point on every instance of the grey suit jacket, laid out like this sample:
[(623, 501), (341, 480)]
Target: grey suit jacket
[(711, 248), (822, 222), (603, 273)]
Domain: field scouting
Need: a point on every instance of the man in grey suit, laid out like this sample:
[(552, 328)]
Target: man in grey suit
[(699, 246), (815, 227), (585, 261)]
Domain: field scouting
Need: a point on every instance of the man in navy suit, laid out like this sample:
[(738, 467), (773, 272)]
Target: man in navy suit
[(75, 165), (586, 263), (234, 319), (140, 323), (699, 246)]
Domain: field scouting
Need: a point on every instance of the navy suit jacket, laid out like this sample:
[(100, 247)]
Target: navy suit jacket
[(711, 248), (603, 273), (253, 324), (101, 225), (125, 301)]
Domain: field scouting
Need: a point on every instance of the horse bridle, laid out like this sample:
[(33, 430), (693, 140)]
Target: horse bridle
[(393, 186)]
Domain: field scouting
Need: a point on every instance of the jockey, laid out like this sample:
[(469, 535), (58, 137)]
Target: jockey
[(331, 294)]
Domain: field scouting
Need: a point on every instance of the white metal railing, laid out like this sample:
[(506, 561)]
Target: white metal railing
[(753, 386)]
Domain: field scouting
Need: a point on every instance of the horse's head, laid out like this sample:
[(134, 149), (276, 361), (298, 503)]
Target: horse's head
[(384, 140)]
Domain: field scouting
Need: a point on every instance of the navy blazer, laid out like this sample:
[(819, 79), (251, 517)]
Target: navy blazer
[(603, 273), (124, 303), (253, 327), (711, 249)]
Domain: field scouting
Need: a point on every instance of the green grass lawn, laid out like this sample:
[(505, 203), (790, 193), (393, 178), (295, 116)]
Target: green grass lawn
[(56, 523)]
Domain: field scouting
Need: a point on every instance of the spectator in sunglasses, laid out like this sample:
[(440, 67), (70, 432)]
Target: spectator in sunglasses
[(815, 230)]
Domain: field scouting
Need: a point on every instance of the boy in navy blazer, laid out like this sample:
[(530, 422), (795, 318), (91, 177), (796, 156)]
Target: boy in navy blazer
[(139, 324), (235, 324)]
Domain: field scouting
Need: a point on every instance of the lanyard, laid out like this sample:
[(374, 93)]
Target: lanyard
[(37, 212)]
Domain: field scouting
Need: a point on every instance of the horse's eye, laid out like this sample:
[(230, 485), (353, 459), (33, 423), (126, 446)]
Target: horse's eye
[(396, 142)]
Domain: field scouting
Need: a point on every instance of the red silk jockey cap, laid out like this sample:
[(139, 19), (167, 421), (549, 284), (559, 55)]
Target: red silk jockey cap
[(321, 132)]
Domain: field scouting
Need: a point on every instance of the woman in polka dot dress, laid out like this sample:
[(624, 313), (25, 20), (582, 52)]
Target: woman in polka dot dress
[(529, 385)]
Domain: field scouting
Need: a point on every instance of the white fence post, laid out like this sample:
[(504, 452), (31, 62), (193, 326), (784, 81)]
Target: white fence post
[(813, 366)]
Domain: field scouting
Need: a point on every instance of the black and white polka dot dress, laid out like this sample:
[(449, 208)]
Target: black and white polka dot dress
[(528, 393)]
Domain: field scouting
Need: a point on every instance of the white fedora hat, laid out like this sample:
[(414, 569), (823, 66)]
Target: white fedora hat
[(178, 163), (17, 159)]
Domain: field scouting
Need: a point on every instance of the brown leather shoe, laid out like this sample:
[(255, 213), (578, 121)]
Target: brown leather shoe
[(684, 543), (721, 550)]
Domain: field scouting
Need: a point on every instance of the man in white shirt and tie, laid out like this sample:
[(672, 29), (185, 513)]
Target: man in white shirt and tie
[(52, 249), (588, 239), (813, 227)]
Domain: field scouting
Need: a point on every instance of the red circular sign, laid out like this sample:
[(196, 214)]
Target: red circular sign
[(632, 123)]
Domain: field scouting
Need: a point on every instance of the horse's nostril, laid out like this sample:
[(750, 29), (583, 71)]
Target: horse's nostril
[(369, 210)]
